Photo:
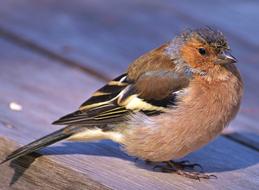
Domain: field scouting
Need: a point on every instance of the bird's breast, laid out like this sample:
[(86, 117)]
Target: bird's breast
[(201, 115)]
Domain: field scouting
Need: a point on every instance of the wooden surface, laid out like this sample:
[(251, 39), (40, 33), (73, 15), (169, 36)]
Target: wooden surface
[(54, 55), (90, 36)]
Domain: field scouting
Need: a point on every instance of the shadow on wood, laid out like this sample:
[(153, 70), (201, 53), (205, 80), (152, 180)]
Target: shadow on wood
[(214, 161), (20, 165)]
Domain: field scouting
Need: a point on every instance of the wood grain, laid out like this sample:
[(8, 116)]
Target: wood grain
[(28, 173), (46, 90), (90, 35), (90, 32), (237, 17)]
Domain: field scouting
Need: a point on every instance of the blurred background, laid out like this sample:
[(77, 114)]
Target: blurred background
[(102, 37), (55, 53), (101, 34)]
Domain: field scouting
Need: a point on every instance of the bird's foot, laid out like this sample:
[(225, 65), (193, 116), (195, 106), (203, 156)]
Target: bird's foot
[(195, 175), (182, 168), (182, 165)]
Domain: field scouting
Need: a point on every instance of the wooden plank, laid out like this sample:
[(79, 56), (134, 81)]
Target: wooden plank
[(91, 34), (25, 85), (46, 90), (40, 173), (236, 17)]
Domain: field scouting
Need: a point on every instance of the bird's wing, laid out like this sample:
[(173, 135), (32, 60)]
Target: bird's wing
[(150, 91), (119, 98), (113, 104), (101, 107)]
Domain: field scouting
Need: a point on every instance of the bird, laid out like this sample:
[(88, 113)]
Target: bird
[(170, 102)]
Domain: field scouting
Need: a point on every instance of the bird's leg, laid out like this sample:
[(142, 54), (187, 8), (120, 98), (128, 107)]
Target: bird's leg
[(136, 159), (148, 162), (182, 165), (181, 168)]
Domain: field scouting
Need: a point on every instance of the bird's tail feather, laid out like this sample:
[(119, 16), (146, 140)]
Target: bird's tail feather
[(42, 142)]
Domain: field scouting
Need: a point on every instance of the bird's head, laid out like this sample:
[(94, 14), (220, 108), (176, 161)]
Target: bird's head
[(203, 50)]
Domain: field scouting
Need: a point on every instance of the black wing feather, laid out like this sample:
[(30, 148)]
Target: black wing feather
[(107, 105), (92, 112)]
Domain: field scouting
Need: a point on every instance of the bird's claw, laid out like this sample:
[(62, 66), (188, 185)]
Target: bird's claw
[(179, 168), (182, 165), (195, 175)]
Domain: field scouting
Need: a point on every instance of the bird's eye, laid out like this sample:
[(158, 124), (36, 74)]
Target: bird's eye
[(202, 51)]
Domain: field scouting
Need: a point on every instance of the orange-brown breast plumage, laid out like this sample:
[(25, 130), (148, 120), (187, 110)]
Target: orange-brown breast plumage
[(206, 108)]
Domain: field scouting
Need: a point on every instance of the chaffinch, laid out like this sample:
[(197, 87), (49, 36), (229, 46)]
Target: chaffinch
[(170, 102)]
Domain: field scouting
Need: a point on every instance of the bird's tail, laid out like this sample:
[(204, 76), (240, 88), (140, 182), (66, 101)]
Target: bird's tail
[(42, 142)]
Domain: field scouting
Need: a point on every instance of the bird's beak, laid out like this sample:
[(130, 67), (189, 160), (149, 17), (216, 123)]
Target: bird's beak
[(226, 58)]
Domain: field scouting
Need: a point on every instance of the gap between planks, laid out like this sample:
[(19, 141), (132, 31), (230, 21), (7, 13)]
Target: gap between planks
[(22, 42), (25, 43), (240, 141)]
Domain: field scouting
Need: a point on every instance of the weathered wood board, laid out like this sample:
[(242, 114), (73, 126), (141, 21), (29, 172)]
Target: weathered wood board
[(46, 90), (91, 35)]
